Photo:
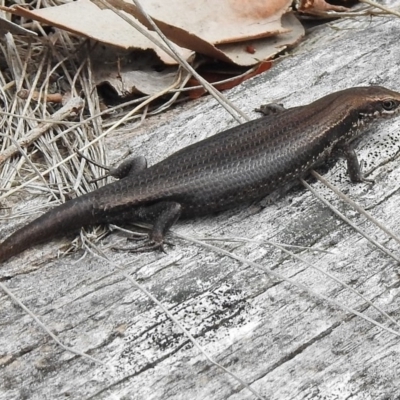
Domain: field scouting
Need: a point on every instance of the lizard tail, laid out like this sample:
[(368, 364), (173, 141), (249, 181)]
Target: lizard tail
[(63, 219)]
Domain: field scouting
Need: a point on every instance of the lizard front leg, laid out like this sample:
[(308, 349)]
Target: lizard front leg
[(353, 165), (270, 109)]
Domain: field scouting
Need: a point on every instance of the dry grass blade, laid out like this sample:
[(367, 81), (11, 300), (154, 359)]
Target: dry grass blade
[(380, 6), (311, 265), (355, 206), (33, 71), (348, 222), (44, 327), (173, 319), (166, 46), (73, 106), (283, 278)]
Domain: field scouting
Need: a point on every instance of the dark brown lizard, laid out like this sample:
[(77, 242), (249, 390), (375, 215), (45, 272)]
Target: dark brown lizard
[(238, 165)]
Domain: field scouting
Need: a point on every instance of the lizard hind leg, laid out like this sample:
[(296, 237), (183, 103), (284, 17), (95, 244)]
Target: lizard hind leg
[(128, 167), (163, 215)]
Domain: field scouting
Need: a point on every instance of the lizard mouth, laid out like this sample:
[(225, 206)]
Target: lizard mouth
[(378, 114), (365, 118), (389, 114)]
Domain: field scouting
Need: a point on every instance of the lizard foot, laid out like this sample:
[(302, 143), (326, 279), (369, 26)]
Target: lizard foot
[(362, 176), (369, 181), (146, 246), (138, 237)]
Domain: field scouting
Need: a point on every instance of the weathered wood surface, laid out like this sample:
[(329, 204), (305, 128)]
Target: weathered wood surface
[(284, 342)]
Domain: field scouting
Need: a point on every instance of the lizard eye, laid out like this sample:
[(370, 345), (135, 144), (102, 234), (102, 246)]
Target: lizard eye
[(389, 105)]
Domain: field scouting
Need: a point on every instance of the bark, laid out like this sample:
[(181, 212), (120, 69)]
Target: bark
[(284, 342)]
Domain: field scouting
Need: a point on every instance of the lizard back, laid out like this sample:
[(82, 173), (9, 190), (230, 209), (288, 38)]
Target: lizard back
[(240, 164)]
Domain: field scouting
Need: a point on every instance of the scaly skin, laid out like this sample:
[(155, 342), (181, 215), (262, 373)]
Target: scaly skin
[(238, 165)]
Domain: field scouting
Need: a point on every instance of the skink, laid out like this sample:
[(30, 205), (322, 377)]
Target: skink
[(235, 166)]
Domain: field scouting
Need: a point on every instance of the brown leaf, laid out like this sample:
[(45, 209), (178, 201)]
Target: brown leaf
[(131, 72), (84, 18), (205, 25), (266, 48)]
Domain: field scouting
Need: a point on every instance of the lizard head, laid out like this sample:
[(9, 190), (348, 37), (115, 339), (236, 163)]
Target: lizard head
[(377, 102)]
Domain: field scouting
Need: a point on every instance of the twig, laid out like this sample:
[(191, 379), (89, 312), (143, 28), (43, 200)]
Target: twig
[(74, 105), (377, 5), (32, 165), (43, 326), (87, 145), (328, 274), (345, 219), (195, 343), (172, 52), (283, 278), (355, 205)]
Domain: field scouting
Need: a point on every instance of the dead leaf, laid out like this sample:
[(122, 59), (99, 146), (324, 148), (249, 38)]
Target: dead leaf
[(265, 49), (84, 18), (217, 22), (235, 31), (131, 72), (202, 25)]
